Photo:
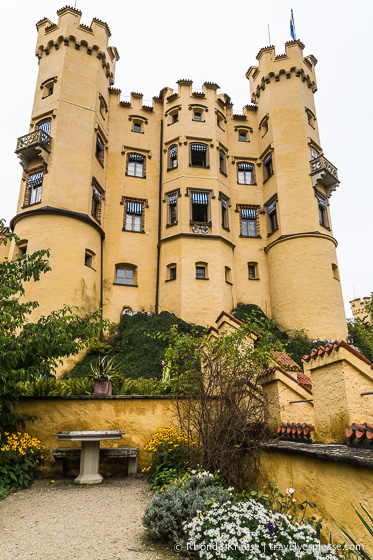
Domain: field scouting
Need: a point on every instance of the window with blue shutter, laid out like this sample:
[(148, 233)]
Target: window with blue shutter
[(198, 155), (35, 184)]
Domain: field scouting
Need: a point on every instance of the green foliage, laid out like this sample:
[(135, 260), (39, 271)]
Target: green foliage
[(137, 350), (295, 343), (168, 510), (168, 452), (368, 524), (141, 386), (27, 349), (99, 347), (104, 368), (19, 455), (362, 334)]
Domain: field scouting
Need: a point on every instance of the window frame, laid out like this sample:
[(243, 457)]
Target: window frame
[(100, 149), (223, 162), (207, 157), (126, 267), (132, 208), (172, 217), (98, 195), (253, 270), (89, 258), (245, 172), (268, 168), (207, 206), (139, 161), (171, 272), (170, 159), (272, 217), (33, 193), (224, 205), (322, 204), (246, 223), (201, 266)]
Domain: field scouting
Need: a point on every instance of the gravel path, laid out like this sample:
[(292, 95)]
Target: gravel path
[(62, 521)]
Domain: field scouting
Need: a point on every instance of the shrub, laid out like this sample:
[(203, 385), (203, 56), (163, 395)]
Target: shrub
[(168, 510), (19, 455), (168, 450), (136, 349), (248, 530)]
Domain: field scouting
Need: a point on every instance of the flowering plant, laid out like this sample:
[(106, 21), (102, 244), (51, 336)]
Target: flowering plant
[(168, 452), (19, 455), (249, 531)]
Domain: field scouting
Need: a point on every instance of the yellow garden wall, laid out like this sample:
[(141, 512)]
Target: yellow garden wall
[(139, 417), (332, 486)]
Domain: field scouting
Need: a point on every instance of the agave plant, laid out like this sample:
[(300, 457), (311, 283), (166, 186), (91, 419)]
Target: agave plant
[(368, 524), (104, 368)]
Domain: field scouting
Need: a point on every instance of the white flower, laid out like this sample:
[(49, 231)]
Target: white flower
[(290, 491)]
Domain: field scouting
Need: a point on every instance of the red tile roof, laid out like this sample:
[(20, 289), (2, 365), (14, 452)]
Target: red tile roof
[(335, 346), (285, 361), (303, 380)]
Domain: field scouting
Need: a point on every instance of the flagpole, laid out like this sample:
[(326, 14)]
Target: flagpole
[(269, 35), (292, 26)]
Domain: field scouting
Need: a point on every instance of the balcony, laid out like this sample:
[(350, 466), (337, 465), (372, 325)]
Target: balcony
[(325, 174), (35, 145)]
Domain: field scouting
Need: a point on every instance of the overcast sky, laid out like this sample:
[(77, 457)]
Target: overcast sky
[(162, 41)]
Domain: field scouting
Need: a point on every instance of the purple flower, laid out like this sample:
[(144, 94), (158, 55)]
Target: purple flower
[(271, 528)]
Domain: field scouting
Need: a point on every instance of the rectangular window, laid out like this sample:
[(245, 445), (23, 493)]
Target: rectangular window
[(267, 167), (35, 184), (172, 209), (99, 149), (172, 157), (198, 155), (125, 276), (242, 136), (133, 220), (96, 202), (314, 153), (245, 175), (200, 272), (248, 223), (222, 162), (224, 213), (175, 117), (253, 271), (172, 272), (135, 166), (136, 127), (200, 207), (272, 217), (197, 116), (323, 211)]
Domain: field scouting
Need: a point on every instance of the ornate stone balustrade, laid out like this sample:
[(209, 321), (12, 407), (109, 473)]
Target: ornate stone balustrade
[(36, 144), (324, 173)]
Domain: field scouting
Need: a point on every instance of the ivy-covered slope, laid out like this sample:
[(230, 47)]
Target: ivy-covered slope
[(137, 351), (295, 342)]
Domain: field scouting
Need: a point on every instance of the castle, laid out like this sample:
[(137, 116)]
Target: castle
[(179, 205)]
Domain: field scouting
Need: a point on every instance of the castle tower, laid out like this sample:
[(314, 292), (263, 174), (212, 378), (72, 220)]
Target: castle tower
[(61, 203), (297, 183), (177, 204)]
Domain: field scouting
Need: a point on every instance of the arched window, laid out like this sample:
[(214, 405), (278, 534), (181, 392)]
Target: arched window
[(199, 155), (172, 157), (44, 125)]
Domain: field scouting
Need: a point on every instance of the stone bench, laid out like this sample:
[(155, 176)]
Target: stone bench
[(62, 454)]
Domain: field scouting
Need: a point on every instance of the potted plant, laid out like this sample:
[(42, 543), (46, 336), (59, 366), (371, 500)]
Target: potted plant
[(103, 373)]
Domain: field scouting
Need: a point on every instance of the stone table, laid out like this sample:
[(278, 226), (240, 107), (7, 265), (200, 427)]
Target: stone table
[(90, 451)]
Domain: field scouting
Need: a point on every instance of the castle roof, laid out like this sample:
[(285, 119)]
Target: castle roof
[(335, 346)]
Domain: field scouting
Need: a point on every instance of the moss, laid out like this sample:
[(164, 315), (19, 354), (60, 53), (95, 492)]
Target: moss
[(137, 351)]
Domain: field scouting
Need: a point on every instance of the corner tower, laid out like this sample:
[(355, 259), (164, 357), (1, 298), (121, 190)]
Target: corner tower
[(297, 183), (62, 195)]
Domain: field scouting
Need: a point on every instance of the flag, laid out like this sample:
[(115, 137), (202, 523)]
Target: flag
[(292, 26)]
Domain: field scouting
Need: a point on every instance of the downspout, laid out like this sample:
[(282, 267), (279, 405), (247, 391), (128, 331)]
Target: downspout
[(159, 218)]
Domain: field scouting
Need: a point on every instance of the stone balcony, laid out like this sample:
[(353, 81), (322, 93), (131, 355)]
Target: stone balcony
[(325, 174), (35, 145)]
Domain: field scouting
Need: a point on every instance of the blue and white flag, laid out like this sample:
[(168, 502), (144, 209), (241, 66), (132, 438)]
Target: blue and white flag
[(292, 26)]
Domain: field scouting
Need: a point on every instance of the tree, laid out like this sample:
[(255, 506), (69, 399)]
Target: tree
[(222, 407), (28, 349)]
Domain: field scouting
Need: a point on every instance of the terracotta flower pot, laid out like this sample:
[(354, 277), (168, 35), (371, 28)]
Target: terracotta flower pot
[(103, 386)]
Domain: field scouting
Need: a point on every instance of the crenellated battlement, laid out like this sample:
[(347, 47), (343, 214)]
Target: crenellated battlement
[(70, 32), (274, 67)]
